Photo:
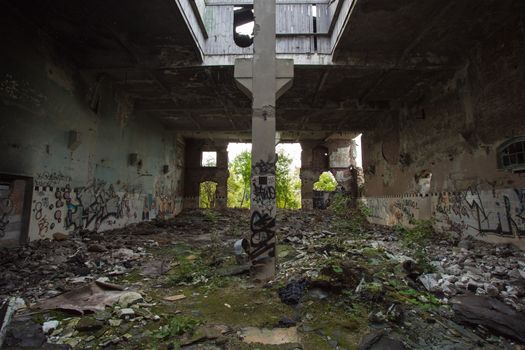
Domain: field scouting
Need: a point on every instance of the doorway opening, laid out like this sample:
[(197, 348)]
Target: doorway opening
[(207, 191), (323, 189), (288, 182)]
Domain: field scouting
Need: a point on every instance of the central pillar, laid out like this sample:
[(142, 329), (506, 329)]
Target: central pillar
[(264, 78), (263, 204)]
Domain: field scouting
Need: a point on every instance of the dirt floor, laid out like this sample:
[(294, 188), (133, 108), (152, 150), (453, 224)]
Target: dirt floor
[(341, 284)]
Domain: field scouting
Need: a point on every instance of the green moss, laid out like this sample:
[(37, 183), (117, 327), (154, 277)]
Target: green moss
[(46, 315), (345, 324), (248, 307)]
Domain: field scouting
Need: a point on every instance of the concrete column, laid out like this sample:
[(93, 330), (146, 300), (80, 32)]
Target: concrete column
[(341, 158), (308, 178), (221, 201), (307, 175), (263, 205), (264, 78)]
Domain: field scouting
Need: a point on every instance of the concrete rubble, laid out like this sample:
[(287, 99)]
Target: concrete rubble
[(341, 284)]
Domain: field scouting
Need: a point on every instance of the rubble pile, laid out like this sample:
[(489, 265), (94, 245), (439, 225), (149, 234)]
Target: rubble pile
[(480, 268), (341, 284)]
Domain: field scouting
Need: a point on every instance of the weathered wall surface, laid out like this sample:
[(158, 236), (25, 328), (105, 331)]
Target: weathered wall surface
[(495, 216), (448, 144), (78, 151)]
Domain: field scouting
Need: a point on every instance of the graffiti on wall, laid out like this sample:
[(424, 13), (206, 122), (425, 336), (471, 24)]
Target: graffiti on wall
[(53, 179), (96, 206), (93, 205), (490, 214), (405, 210), (164, 201), (500, 212)]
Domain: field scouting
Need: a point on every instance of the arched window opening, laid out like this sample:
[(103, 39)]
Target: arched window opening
[(243, 23), (207, 191), (326, 182), (511, 155)]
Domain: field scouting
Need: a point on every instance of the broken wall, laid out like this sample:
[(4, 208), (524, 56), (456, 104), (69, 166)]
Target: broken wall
[(94, 165), (442, 153)]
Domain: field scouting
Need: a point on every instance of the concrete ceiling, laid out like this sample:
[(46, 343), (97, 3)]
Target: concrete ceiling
[(391, 53)]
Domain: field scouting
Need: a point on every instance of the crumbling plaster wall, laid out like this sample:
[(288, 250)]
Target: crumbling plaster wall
[(79, 159), (453, 134)]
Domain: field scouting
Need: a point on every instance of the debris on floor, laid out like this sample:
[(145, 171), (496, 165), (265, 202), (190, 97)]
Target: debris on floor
[(270, 336), (341, 284)]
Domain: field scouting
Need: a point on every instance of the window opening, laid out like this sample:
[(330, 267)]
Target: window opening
[(511, 155), (243, 23), (209, 159), (314, 17)]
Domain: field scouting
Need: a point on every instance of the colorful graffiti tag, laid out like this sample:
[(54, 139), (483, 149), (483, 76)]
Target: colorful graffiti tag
[(98, 206)]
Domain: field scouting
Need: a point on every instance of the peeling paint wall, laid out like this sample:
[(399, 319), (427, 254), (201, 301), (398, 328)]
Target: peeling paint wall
[(445, 149), (78, 156)]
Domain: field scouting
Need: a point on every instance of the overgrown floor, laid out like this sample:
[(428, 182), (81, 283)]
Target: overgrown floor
[(354, 284)]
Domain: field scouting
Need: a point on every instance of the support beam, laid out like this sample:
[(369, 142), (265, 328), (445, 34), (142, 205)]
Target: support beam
[(263, 204), (264, 80)]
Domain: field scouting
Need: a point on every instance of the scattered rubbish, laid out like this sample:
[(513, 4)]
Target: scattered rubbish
[(50, 326), (155, 268), (174, 297), (59, 236), (125, 313), (275, 336), (7, 308), (129, 298), (96, 248), (115, 322), (240, 246), (92, 297), (347, 279), (293, 292), (490, 313), (430, 281), (380, 341), (317, 293), (88, 324)]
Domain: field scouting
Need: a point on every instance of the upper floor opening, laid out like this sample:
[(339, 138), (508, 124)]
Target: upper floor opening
[(306, 30)]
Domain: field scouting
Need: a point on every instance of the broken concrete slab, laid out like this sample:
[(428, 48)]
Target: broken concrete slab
[(155, 268), (380, 341), (275, 336), (129, 298), (490, 313), (89, 298), (174, 297)]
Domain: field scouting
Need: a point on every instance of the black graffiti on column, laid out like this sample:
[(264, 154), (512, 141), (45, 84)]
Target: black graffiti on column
[(262, 239), (262, 193), (262, 167)]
